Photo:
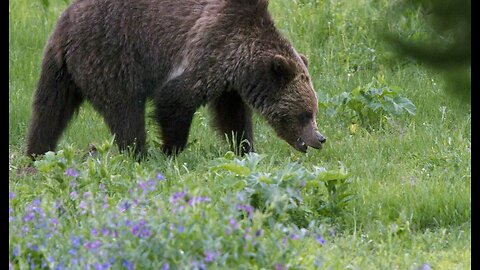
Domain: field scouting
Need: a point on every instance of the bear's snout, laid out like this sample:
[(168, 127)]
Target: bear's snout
[(314, 139), (321, 138), (310, 137)]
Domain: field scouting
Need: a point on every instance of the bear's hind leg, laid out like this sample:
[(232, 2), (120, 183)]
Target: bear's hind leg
[(234, 118), (56, 100)]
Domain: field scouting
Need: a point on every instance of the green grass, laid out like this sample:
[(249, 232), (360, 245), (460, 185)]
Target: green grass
[(410, 176)]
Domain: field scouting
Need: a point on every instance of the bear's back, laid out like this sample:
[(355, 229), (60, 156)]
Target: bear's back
[(127, 42)]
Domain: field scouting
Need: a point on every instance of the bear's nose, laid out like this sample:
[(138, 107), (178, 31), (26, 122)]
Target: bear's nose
[(321, 138)]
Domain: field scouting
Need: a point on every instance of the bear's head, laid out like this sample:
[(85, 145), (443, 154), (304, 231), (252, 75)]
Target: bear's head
[(292, 101), (272, 76)]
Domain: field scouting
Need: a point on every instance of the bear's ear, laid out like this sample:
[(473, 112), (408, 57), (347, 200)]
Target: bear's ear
[(283, 67), (304, 59)]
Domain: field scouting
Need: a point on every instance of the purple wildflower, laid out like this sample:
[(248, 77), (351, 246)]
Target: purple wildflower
[(233, 223), (165, 266), (124, 206), (11, 195), (246, 208), (425, 266), (246, 235), (198, 265), (177, 196), (58, 206), (29, 216), (53, 225), (127, 264), (36, 202), (294, 236), (92, 245), (105, 231), (94, 232), (71, 172), (160, 177), (141, 230), (280, 266), (209, 256), (181, 229), (151, 184), (102, 187), (76, 241), (179, 208), (73, 195), (143, 185), (10, 212), (320, 240), (98, 266), (25, 229), (83, 206), (72, 252), (54, 221), (16, 251), (32, 247), (35, 207), (105, 202), (195, 200)]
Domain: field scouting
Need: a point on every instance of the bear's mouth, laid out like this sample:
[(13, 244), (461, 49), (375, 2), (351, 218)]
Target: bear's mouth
[(302, 146)]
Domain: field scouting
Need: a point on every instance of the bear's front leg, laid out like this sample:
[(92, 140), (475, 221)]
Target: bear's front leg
[(234, 118), (175, 105)]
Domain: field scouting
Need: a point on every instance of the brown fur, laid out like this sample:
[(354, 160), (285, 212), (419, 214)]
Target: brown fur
[(116, 54)]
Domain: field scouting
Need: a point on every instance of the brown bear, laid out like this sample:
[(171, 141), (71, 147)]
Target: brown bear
[(226, 54)]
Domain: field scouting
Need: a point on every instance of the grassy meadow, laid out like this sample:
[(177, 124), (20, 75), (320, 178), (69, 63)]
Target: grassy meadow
[(390, 190)]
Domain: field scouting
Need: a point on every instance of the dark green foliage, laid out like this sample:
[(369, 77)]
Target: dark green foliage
[(281, 193), (447, 45), (369, 106)]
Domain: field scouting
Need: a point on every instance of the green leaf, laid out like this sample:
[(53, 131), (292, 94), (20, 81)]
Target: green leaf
[(331, 175), (235, 168), (406, 104), (391, 106), (229, 155)]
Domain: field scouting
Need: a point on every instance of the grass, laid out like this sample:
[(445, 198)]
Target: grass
[(403, 204)]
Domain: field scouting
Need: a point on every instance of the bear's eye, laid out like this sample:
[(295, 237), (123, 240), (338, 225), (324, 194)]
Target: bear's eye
[(305, 117)]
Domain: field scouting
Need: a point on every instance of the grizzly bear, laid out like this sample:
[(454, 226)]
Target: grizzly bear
[(226, 54)]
